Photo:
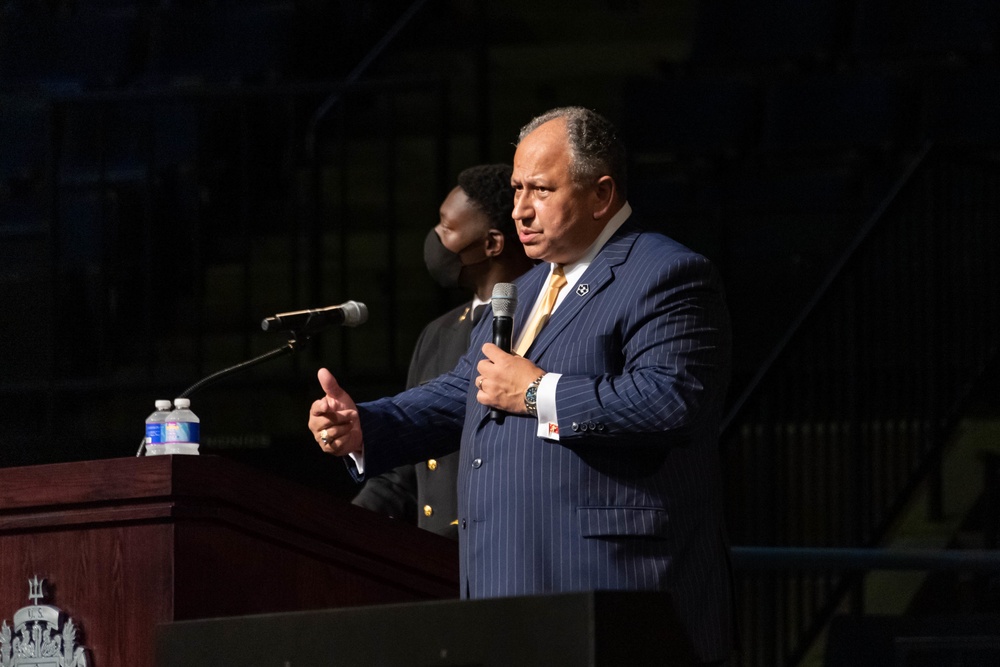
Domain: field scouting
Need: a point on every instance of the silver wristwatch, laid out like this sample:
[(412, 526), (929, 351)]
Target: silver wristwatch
[(531, 396)]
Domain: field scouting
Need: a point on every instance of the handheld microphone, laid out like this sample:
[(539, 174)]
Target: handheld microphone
[(348, 314), (504, 302)]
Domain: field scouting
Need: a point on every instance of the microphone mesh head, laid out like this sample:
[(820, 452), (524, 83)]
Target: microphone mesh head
[(504, 300), (355, 313)]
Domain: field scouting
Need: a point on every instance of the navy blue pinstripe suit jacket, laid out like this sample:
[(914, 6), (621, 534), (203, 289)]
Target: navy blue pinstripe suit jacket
[(629, 497)]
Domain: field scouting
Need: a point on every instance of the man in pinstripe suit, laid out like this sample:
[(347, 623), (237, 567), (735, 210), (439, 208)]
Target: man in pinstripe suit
[(605, 473)]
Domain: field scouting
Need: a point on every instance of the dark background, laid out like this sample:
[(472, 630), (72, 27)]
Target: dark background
[(172, 172)]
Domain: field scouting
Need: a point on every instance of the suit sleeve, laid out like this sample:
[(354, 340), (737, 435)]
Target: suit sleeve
[(418, 424), (395, 492), (668, 351)]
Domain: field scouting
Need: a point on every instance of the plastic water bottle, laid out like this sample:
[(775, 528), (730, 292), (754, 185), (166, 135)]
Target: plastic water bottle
[(156, 428), (182, 429)]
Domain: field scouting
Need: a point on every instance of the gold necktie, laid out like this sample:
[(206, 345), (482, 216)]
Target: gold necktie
[(556, 283)]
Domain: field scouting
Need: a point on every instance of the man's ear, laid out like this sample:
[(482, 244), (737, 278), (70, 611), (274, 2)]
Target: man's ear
[(605, 192), (495, 241)]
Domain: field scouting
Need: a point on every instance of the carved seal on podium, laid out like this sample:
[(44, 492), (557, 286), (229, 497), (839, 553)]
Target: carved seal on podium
[(42, 636)]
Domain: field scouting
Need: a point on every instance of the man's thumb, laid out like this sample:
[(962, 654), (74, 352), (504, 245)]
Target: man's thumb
[(329, 383)]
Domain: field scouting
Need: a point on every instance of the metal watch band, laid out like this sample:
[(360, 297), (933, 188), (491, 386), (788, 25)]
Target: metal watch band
[(531, 396)]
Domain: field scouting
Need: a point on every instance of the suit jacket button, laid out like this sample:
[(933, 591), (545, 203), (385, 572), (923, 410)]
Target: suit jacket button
[(477, 463), (584, 426), (463, 524), (432, 464), (428, 510), (600, 426), (576, 427)]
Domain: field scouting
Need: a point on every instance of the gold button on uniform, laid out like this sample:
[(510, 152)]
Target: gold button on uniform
[(428, 510), (432, 464)]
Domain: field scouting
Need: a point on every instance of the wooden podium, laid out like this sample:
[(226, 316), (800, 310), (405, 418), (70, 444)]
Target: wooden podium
[(126, 544)]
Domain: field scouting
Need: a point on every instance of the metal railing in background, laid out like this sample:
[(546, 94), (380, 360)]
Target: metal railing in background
[(785, 581), (853, 409)]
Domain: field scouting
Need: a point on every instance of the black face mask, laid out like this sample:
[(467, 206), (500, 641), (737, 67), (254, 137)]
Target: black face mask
[(444, 265)]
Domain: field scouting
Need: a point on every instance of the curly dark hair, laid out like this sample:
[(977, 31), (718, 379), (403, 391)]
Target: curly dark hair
[(595, 146), (488, 186)]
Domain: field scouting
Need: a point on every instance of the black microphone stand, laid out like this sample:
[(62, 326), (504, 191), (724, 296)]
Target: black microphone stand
[(291, 346)]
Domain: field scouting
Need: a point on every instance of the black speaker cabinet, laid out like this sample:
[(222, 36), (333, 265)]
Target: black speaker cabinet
[(591, 629)]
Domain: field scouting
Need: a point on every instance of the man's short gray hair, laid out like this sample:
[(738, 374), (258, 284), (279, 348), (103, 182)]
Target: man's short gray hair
[(595, 147)]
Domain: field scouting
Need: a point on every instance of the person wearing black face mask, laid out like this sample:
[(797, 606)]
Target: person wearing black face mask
[(445, 265), (473, 246)]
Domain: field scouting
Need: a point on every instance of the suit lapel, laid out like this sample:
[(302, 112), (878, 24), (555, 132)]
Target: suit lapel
[(598, 275)]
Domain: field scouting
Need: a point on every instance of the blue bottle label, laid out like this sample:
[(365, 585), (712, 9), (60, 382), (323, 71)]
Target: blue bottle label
[(155, 433), (182, 431)]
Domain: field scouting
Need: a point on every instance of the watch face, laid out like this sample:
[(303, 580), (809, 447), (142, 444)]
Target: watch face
[(529, 395)]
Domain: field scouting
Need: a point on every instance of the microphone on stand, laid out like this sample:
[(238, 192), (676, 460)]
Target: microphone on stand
[(348, 314), (504, 302), (302, 324)]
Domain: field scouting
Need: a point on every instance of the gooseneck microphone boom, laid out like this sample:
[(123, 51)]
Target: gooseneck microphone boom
[(504, 302), (348, 314)]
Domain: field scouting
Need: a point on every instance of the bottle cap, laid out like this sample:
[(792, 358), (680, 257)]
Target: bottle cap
[(182, 403), (162, 405)]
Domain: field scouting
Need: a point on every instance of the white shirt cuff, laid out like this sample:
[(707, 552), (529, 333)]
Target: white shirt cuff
[(359, 461), (545, 404)]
